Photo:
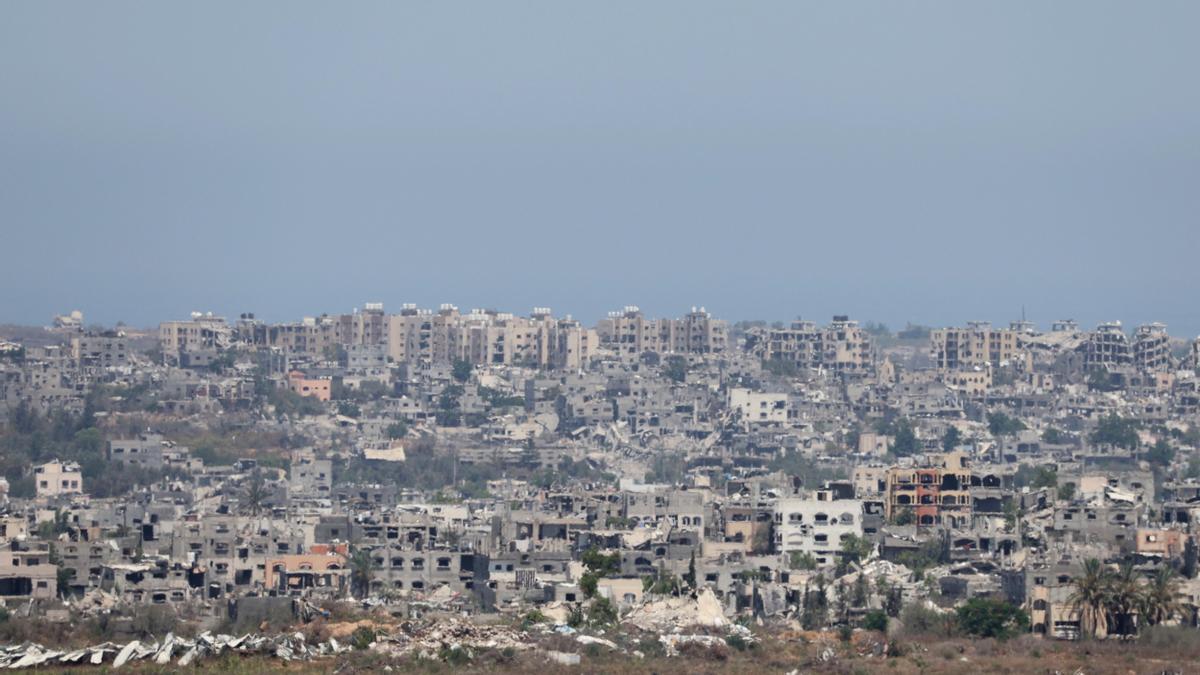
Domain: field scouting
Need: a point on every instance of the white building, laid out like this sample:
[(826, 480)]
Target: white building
[(817, 525), (758, 407), (58, 478)]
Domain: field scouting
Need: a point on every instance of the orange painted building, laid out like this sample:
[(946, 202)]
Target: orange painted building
[(936, 495), (317, 388)]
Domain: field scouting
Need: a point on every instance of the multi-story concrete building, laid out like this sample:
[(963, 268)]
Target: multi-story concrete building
[(310, 337), (759, 407), (57, 478), (27, 573), (203, 333), (151, 451), (368, 327), (1107, 345), (696, 333), (309, 475), (1152, 348), (971, 382), (631, 334), (817, 525), (977, 345), (936, 495), (107, 349), (842, 347), (318, 388)]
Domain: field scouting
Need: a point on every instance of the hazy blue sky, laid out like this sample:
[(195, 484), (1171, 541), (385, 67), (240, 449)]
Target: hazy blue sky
[(892, 160)]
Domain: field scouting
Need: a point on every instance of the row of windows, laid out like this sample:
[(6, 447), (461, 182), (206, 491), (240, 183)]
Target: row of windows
[(821, 519)]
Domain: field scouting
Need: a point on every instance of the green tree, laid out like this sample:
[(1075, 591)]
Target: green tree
[(1090, 598), (1124, 597), (63, 577), (1000, 424), (905, 441), (461, 370), (397, 430), (1066, 492), (362, 572), (1160, 599), (588, 583), (661, 582), (992, 618), (88, 442), (876, 620), (816, 604), (856, 549), (1161, 454), (951, 439), (690, 577), (575, 617), (602, 564), (862, 591), (1115, 430), (1193, 467), (256, 493), (1191, 559), (448, 413), (798, 560), (676, 368), (602, 612), (1054, 436)]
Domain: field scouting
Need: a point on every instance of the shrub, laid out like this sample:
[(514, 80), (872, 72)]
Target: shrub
[(992, 618), (532, 617), (876, 620), (737, 642), (588, 583), (362, 637), (918, 619), (455, 655), (575, 618), (602, 612)]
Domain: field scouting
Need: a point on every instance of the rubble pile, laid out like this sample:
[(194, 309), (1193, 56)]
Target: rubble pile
[(285, 647), (661, 616), (673, 642), (432, 639)]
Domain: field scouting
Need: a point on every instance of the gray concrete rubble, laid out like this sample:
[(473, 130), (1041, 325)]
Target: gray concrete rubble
[(287, 647), (433, 640)]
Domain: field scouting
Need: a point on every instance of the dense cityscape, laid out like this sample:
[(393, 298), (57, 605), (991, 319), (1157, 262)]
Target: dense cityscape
[(316, 357), (455, 486)]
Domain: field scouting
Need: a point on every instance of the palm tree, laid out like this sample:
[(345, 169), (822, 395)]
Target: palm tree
[(362, 570), (256, 492), (1160, 597), (1091, 598), (1124, 597)]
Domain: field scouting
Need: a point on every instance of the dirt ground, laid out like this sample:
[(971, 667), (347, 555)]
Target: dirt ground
[(825, 655)]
